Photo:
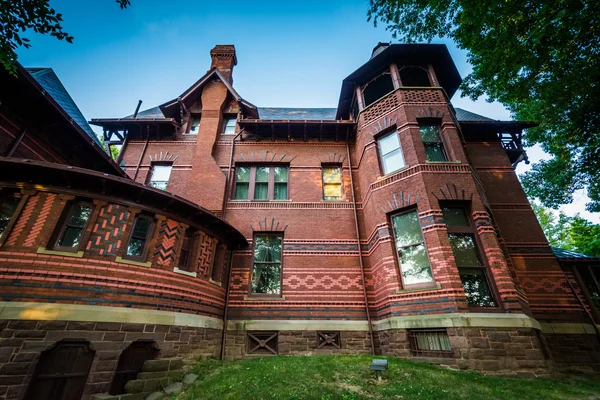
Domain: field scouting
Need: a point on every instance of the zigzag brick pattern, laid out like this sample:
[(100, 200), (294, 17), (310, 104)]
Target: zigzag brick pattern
[(107, 235), (206, 254), (42, 216), (167, 244)]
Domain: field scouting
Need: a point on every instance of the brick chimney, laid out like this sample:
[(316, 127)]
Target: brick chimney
[(224, 59)]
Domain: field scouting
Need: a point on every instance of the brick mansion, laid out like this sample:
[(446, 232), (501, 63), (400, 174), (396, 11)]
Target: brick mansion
[(394, 224)]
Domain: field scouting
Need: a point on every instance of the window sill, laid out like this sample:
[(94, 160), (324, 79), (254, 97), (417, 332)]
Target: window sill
[(215, 282), (263, 298), (131, 262), (183, 272), (443, 162), (419, 289), (42, 250)]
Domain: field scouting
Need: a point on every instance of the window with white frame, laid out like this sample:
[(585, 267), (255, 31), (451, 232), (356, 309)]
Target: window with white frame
[(159, 175)]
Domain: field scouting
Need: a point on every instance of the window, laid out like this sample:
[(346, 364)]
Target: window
[(262, 343), (590, 282), (229, 125), (328, 339), (468, 260), (185, 258), (414, 76), (9, 201), (194, 125), (160, 174), (390, 153), (131, 362), (261, 183), (74, 223), (138, 240), (377, 88), (434, 147), (430, 343), (412, 253), (61, 372), (266, 274), (332, 183), (221, 263)]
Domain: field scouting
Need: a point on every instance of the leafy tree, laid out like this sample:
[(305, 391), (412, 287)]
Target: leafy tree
[(570, 233), (18, 16), (540, 59)]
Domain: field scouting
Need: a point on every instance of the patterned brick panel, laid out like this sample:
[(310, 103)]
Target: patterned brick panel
[(42, 216), (167, 244), (24, 218), (206, 254), (108, 233), (32, 221)]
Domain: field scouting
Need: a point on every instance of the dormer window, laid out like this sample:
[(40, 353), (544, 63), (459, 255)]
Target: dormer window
[(414, 77), (377, 88), (229, 125), (194, 125)]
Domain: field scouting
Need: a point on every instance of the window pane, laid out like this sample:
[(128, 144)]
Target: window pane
[(590, 276), (407, 229), (229, 126), (266, 278), (393, 161), (140, 230), (243, 174), (389, 143), (161, 172), (332, 175), (135, 247), (414, 264), (280, 191), (435, 152), (261, 191), (8, 205), (71, 237), (281, 174), (241, 191), (455, 216), (267, 248), (476, 287), (195, 125), (332, 191), (79, 216), (430, 133), (159, 185), (262, 174), (464, 249)]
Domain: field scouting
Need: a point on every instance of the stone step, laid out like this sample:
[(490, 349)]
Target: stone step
[(146, 385), (164, 364)]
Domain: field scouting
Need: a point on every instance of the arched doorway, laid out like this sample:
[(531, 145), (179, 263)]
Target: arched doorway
[(130, 363), (61, 372)]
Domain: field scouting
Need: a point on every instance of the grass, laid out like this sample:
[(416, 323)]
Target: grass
[(349, 378)]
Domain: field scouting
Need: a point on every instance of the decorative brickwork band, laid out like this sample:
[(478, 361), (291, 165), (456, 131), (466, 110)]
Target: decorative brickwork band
[(108, 233), (398, 201), (47, 201), (264, 156), (428, 112), (167, 243), (165, 157), (383, 124), (451, 192), (269, 225), (331, 158)]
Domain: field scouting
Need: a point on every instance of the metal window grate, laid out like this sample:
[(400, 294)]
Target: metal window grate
[(262, 343), (430, 343), (328, 339)]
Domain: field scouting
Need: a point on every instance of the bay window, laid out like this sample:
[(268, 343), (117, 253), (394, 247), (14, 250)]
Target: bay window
[(434, 147), (411, 249), (266, 271), (261, 183), (390, 153), (471, 268)]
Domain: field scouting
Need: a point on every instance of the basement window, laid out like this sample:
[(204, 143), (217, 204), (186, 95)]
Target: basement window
[(377, 88), (430, 343), (328, 339), (262, 343), (414, 76)]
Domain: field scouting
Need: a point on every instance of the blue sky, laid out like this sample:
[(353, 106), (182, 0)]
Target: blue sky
[(290, 54)]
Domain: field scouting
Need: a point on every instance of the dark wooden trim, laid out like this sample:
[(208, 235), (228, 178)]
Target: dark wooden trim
[(16, 143)]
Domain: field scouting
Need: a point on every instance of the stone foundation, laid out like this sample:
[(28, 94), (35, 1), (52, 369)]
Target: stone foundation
[(574, 352), (22, 341)]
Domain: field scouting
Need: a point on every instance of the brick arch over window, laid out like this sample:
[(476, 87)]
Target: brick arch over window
[(62, 371), (263, 156), (269, 225), (333, 158), (428, 112), (383, 124), (398, 201), (163, 157), (451, 192)]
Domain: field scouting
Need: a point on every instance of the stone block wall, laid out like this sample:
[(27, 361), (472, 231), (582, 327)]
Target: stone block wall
[(22, 342), (574, 352)]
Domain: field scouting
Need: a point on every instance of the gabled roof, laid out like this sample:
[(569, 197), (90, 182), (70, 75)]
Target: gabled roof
[(54, 87)]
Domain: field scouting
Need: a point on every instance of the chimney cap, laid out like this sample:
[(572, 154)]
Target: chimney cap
[(224, 51)]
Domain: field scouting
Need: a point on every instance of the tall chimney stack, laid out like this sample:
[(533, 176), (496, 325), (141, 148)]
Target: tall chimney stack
[(224, 59)]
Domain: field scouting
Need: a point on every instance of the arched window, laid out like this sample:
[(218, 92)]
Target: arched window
[(61, 372), (130, 363)]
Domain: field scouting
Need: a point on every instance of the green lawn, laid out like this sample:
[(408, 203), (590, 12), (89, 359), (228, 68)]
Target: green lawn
[(349, 377)]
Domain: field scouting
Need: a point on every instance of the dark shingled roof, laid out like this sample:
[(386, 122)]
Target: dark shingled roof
[(568, 254), (277, 113), (51, 84)]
